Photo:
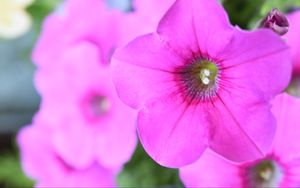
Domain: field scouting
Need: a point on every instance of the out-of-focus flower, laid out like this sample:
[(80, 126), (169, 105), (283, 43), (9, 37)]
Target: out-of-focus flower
[(14, 20), (151, 10), (80, 100), (279, 168), (276, 21), (89, 123), (197, 72), (144, 18), (293, 40), (43, 163), (75, 21)]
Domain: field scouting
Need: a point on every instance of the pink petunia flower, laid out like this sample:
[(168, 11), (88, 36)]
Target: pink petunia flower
[(279, 168), (200, 82), (43, 164), (293, 40), (78, 98)]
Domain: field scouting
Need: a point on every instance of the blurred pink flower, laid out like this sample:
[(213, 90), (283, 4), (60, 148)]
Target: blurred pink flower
[(78, 98), (151, 10), (279, 168), (197, 72), (143, 19), (75, 21), (293, 40), (42, 163)]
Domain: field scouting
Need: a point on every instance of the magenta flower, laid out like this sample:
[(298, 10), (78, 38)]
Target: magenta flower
[(199, 82), (279, 168), (43, 164), (293, 40), (79, 100)]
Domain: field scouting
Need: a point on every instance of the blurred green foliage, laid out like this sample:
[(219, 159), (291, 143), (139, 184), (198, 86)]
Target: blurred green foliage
[(241, 12), (11, 174), (142, 171), (39, 10)]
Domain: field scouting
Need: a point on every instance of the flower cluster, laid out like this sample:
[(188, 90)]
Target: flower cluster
[(205, 96)]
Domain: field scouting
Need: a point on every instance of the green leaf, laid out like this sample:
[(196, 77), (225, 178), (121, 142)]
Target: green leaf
[(11, 174), (142, 171)]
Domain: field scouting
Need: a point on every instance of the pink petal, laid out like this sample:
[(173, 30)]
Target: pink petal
[(293, 39), (190, 23), (37, 156), (253, 60), (79, 21), (142, 71), (172, 133), (75, 140), (93, 176), (115, 143), (257, 60), (242, 126), (286, 110), (152, 10), (211, 170)]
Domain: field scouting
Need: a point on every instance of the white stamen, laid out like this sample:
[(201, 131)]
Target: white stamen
[(204, 76), (206, 72), (205, 80)]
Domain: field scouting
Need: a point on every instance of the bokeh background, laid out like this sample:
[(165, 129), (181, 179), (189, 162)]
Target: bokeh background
[(19, 100)]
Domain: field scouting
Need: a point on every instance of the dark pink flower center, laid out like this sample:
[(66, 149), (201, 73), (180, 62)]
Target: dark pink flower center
[(262, 173), (96, 106), (99, 105), (198, 80)]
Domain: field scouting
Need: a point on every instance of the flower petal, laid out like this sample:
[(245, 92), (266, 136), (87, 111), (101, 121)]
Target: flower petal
[(37, 155), (68, 144), (93, 176), (257, 60), (211, 170), (173, 133), (142, 71), (293, 39), (187, 28), (242, 125), (286, 110)]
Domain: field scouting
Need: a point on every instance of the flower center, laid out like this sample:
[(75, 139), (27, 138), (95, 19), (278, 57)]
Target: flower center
[(99, 105), (263, 173), (207, 72), (96, 106), (199, 80)]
